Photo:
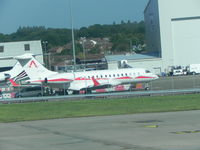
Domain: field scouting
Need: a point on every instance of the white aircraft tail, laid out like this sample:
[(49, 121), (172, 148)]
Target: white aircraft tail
[(17, 72), (33, 68)]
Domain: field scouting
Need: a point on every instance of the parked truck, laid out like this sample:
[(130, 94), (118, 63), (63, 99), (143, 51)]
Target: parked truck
[(193, 69)]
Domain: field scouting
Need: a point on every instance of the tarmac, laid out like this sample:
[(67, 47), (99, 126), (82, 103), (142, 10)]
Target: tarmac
[(150, 131), (176, 82)]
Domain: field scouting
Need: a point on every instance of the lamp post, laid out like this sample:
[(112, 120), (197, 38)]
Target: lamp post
[(49, 56), (72, 28), (83, 40), (45, 52)]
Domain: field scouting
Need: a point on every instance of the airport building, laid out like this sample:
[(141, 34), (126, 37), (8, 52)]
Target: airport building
[(19, 48), (172, 33), (172, 30)]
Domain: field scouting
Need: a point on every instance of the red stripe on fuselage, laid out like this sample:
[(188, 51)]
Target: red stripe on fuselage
[(54, 80), (143, 77), (84, 79), (124, 78)]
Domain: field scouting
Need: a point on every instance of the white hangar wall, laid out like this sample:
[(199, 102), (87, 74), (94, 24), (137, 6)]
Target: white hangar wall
[(172, 28), (19, 48), (186, 34)]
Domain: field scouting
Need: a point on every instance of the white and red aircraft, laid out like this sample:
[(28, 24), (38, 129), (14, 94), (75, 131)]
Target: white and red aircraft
[(16, 73), (87, 80)]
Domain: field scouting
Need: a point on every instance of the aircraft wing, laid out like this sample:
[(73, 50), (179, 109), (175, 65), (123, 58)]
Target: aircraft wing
[(78, 85)]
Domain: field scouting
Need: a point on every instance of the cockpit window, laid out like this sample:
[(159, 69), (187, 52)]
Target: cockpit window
[(147, 71)]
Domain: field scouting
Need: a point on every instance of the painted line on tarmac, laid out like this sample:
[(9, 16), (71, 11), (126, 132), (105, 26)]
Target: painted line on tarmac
[(151, 126), (186, 132)]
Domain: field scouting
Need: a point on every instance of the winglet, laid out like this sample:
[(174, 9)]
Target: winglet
[(96, 83), (13, 83)]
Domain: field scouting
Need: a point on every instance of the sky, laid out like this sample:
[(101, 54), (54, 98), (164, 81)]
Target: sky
[(56, 13)]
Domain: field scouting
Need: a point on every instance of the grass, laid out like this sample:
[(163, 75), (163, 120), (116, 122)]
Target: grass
[(82, 108)]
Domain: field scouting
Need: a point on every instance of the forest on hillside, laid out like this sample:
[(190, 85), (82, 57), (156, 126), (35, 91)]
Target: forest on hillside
[(123, 36)]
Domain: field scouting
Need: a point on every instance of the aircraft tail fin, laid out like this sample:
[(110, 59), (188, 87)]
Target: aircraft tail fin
[(17, 72), (33, 68), (96, 83)]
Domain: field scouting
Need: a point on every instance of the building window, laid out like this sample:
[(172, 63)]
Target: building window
[(1, 49), (27, 47)]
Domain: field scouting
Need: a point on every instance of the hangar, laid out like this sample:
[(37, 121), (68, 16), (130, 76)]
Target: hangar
[(19, 48), (172, 30), (172, 33)]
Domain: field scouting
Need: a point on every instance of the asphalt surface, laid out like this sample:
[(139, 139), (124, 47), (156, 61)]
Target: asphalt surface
[(153, 131), (176, 82)]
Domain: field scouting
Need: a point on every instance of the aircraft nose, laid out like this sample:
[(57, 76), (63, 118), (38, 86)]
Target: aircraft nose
[(7, 76), (156, 77)]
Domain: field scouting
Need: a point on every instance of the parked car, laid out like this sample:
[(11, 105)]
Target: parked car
[(30, 92), (177, 72)]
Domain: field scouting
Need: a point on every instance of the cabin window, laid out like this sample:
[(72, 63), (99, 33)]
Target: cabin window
[(96, 76), (101, 76), (106, 76), (122, 74), (130, 74), (147, 71), (110, 76), (118, 75), (113, 75), (1, 49), (126, 74), (88, 77)]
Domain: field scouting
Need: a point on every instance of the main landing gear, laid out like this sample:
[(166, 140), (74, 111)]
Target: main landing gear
[(146, 86)]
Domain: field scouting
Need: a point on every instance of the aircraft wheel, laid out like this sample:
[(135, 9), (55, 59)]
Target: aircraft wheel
[(88, 91)]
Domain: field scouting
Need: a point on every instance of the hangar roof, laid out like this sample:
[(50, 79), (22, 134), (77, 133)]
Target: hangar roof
[(129, 57)]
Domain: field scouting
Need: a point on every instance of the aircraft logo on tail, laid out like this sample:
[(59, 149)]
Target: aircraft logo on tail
[(32, 63), (21, 76)]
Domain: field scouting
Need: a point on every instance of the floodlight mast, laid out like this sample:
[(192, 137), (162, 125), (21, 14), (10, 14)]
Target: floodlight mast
[(72, 28)]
